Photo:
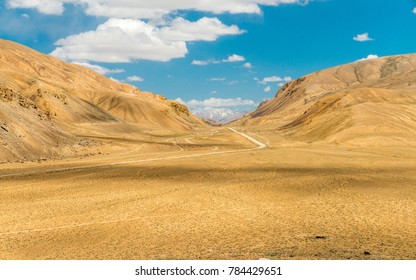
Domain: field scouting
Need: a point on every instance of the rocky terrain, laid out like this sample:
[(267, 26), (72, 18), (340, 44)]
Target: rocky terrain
[(366, 103), (44, 102)]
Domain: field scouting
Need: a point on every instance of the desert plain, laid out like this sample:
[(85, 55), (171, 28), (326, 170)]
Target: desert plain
[(211, 194)]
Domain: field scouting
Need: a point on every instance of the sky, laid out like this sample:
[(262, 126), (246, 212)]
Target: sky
[(211, 54)]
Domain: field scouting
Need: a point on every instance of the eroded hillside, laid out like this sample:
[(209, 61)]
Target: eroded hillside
[(370, 102), (43, 101)]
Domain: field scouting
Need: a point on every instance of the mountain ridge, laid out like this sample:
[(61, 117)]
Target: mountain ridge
[(371, 102), (42, 92)]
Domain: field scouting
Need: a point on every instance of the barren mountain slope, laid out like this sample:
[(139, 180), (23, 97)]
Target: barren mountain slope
[(365, 103), (42, 98)]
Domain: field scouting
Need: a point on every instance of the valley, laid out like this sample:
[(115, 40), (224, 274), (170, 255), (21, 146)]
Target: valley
[(204, 197), (92, 168)]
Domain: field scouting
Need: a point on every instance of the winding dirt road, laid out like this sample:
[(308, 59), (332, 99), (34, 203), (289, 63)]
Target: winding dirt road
[(259, 145)]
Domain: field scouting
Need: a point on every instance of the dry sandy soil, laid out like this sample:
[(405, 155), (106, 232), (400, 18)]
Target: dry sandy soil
[(145, 200)]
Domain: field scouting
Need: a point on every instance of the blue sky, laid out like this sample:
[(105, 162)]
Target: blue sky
[(247, 50)]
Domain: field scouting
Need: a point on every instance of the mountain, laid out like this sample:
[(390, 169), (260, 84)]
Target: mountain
[(220, 115), (43, 100), (365, 103), (211, 122)]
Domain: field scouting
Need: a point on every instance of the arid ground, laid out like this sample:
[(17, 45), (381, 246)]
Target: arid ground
[(146, 199)]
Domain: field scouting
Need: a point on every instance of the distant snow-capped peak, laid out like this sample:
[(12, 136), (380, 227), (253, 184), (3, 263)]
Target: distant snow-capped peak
[(221, 115)]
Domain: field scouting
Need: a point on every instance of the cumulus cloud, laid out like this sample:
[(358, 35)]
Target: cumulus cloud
[(205, 29), (268, 89), (99, 69), (362, 37), (234, 58), (370, 56), (248, 65), (414, 10), (145, 9), (46, 7), (275, 79), (126, 40), (137, 29), (217, 102), (135, 79)]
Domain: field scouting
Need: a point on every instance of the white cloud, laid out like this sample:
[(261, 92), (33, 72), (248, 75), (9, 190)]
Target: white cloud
[(231, 59), (217, 79), (370, 56), (205, 62), (126, 40), (25, 15), (99, 69), (268, 89), (114, 79), (362, 37), (180, 100), (214, 92), (145, 9), (275, 79), (234, 58), (42, 6), (217, 102), (135, 79), (199, 62), (248, 65), (414, 10), (205, 29)]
